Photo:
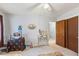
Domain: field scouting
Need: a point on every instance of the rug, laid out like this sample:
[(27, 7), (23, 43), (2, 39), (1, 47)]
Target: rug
[(52, 54)]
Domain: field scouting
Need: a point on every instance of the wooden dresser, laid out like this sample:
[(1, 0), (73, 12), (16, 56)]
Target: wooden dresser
[(16, 45)]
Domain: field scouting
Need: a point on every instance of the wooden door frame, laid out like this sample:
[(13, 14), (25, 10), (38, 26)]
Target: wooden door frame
[(2, 32)]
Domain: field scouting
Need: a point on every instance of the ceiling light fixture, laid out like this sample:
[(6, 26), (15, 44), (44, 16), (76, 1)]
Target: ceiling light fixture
[(46, 6)]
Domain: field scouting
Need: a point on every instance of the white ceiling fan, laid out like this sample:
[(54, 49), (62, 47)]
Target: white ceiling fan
[(46, 6)]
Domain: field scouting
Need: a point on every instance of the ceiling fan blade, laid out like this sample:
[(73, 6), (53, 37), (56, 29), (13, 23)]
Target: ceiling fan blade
[(34, 6), (51, 7)]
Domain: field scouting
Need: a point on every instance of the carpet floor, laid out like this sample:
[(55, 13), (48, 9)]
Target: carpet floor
[(42, 50)]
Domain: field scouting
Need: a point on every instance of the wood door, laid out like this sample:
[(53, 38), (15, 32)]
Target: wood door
[(1, 31), (72, 42), (61, 33)]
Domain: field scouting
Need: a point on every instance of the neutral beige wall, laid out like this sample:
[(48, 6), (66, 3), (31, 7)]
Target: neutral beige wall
[(7, 27), (41, 22)]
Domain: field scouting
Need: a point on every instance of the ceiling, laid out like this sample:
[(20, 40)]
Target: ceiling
[(24, 8)]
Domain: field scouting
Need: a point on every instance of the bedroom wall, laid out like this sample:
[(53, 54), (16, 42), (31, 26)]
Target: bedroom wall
[(52, 29), (72, 13), (52, 34), (7, 27), (41, 22)]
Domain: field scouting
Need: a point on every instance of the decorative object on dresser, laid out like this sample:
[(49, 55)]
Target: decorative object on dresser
[(20, 29), (16, 43)]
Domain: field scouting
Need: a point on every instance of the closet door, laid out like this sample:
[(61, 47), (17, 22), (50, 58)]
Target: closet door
[(1, 31), (72, 34), (61, 33)]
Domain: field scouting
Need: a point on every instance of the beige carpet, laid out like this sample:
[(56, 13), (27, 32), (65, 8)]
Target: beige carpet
[(42, 51), (52, 54), (13, 53), (18, 53)]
